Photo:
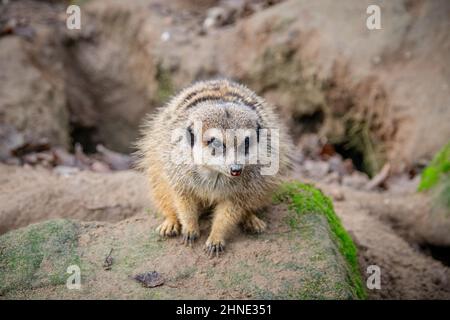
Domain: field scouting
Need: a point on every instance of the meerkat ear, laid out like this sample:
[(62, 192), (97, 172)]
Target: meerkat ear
[(190, 135)]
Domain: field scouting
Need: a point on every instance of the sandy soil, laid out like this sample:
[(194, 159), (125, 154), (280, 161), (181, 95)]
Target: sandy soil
[(30, 195), (406, 272)]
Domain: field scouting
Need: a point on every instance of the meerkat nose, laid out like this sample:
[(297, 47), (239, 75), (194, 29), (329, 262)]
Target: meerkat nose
[(235, 170)]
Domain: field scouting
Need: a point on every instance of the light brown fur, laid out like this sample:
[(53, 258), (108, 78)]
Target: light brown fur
[(182, 191)]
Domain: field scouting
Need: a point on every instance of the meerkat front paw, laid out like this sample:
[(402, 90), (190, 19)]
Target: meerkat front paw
[(213, 247), (253, 224), (190, 235), (169, 228)]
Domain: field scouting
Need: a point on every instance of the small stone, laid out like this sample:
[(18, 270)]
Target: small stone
[(65, 170), (337, 194), (376, 60), (356, 180), (98, 166), (316, 169), (165, 36)]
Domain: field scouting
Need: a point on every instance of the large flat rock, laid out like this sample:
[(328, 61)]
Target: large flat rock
[(304, 254)]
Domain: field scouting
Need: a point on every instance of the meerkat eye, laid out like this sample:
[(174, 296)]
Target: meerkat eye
[(247, 145), (215, 143)]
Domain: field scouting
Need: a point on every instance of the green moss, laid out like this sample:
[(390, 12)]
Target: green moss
[(37, 255), (437, 170), (436, 178), (304, 198)]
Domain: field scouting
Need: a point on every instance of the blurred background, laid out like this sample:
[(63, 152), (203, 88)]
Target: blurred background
[(368, 110)]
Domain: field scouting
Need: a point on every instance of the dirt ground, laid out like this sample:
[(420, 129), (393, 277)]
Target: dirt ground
[(31, 195), (406, 271)]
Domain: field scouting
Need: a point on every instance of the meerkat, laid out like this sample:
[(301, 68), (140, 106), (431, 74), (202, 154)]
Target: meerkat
[(182, 188)]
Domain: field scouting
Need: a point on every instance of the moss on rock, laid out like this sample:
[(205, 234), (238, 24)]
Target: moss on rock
[(37, 255), (303, 199), (436, 177), (437, 170)]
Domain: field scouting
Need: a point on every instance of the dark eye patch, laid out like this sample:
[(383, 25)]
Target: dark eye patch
[(210, 141), (258, 128), (191, 136), (247, 145)]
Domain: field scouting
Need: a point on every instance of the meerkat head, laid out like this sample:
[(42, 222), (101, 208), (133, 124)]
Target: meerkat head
[(226, 136)]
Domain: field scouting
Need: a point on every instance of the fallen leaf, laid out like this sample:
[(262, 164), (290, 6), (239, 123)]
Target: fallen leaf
[(149, 279)]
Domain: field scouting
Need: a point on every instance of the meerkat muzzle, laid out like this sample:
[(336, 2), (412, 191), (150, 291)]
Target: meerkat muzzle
[(235, 170)]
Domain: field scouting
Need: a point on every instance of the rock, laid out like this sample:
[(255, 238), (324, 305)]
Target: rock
[(434, 224), (297, 50), (111, 76), (98, 166), (65, 170), (356, 180), (10, 140), (38, 255), (32, 90), (435, 180), (332, 178), (64, 158), (316, 169), (337, 194), (113, 72), (32, 99), (32, 195), (217, 17), (340, 166), (115, 160), (305, 254), (290, 55)]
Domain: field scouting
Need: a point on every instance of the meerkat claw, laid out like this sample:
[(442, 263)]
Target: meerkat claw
[(189, 239), (168, 229), (214, 249)]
